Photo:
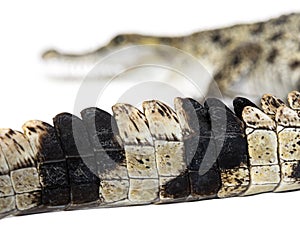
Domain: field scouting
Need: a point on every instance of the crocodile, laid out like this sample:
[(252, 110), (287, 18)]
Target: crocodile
[(159, 155), (245, 59)]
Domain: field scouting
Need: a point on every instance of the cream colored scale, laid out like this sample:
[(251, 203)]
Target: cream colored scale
[(288, 123), (139, 152), (262, 146), (168, 141), (288, 133), (7, 194), (23, 173)]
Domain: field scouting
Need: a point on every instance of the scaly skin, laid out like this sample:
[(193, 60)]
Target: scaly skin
[(247, 59), (158, 155)]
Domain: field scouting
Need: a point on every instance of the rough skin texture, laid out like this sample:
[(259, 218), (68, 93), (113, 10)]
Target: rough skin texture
[(247, 59)]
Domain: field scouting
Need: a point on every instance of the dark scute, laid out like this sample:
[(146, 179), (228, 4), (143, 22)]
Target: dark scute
[(97, 119), (200, 122), (239, 103), (107, 161), (223, 120), (204, 154), (196, 144), (105, 142), (200, 150), (233, 152), (189, 106), (82, 170), (50, 146), (228, 131), (296, 171), (52, 170), (178, 187), (101, 127), (53, 174), (207, 184), (73, 135), (56, 196), (85, 193)]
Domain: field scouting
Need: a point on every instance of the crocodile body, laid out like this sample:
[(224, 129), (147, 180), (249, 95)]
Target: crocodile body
[(158, 155), (247, 59)]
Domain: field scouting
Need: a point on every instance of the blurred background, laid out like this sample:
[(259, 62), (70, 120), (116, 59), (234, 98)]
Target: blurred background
[(30, 27)]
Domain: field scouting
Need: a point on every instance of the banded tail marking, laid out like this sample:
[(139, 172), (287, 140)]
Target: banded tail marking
[(51, 164), (200, 149), (23, 172), (84, 183), (140, 154), (169, 150), (110, 156), (231, 145)]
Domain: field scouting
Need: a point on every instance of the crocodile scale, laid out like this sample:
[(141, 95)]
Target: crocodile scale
[(158, 155)]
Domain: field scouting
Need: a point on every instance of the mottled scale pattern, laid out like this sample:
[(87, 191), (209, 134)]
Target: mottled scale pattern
[(51, 163), (288, 132), (262, 149), (156, 155), (243, 59), (169, 149), (7, 193), (140, 154), (110, 156), (20, 189)]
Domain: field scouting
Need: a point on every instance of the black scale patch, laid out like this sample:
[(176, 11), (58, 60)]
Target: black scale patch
[(202, 171), (217, 154), (51, 164), (110, 155), (231, 146), (81, 163)]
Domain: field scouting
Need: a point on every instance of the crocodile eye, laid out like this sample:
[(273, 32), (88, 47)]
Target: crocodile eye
[(118, 39)]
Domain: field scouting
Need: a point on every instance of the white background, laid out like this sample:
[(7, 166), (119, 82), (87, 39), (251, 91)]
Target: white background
[(29, 27)]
